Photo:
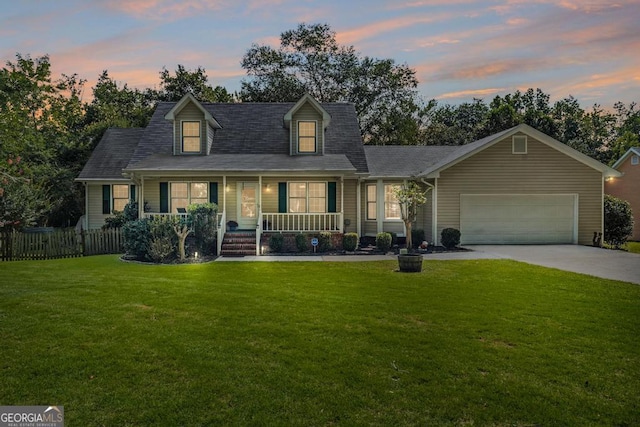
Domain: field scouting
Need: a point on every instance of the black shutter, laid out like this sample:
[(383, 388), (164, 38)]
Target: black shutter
[(332, 204), (213, 192), (164, 197), (106, 199), (132, 192), (282, 197)]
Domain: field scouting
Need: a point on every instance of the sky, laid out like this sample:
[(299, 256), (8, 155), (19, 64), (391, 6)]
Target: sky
[(460, 49)]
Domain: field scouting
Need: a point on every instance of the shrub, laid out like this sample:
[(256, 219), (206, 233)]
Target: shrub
[(275, 242), (301, 242), (137, 235), (618, 221), (394, 238), (450, 238), (119, 219), (383, 242), (350, 242), (161, 249), (324, 241), (202, 219), (417, 237)]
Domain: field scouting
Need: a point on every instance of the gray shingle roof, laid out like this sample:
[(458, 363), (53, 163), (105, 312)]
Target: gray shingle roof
[(246, 163), (395, 161), (112, 154), (254, 129)]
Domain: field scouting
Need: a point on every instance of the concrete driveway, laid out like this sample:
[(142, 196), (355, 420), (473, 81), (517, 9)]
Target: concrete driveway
[(605, 263)]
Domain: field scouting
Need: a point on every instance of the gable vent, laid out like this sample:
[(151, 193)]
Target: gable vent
[(519, 144)]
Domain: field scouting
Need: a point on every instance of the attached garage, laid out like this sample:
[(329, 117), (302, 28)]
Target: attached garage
[(519, 218)]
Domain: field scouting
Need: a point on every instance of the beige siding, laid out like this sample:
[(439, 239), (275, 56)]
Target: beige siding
[(95, 217), (189, 113), (627, 188), (350, 204), (307, 113), (370, 227), (542, 170)]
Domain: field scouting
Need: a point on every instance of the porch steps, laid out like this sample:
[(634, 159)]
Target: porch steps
[(238, 243)]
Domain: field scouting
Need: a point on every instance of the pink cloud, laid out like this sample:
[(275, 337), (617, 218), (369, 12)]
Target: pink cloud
[(165, 10), (352, 36), (475, 93)]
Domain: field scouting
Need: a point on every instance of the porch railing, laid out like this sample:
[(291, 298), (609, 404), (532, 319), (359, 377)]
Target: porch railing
[(301, 222), (151, 215)]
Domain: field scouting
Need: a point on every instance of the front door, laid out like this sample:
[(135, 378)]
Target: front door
[(247, 205)]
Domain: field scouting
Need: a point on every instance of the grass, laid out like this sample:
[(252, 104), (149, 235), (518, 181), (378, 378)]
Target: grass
[(487, 342), (633, 247)]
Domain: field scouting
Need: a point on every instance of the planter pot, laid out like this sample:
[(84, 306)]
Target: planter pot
[(410, 263)]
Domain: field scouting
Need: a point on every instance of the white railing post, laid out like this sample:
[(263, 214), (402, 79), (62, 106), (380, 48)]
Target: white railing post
[(258, 233), (221, 229)]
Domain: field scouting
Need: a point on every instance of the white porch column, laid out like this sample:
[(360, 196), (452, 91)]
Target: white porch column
[(434, 212), (359, 207), (379, 206), (224, 193), (141, 198), (342, 203)]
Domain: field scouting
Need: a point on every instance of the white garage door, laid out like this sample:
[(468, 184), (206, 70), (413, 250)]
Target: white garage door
[(518, 219)]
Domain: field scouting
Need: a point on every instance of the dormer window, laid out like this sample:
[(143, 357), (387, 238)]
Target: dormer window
[(191, 137), (307, 136)]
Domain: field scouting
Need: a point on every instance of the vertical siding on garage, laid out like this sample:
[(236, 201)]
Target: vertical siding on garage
[(627, 188), (543, 170)]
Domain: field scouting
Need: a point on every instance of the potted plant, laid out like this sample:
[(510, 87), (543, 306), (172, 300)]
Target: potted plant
[(232, 225), (410, 197)]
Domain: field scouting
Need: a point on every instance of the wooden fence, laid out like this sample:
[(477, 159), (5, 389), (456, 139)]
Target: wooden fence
[(59, 243)]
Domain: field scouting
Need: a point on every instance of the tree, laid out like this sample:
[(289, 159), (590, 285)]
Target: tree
[(20, 201), (309, 60), (195, 82), (410, 197)]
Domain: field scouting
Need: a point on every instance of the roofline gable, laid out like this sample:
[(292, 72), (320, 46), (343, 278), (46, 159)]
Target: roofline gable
[(306, 98), (487, 142), (186, 99), (630, 151)]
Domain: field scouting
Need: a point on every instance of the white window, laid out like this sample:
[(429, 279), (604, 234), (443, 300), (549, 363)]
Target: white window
[(372, 198), (391, 206), (184, 194), (306, 137), (634, 160), (120, 197), (190, 137), (519, 144), (307, 197)]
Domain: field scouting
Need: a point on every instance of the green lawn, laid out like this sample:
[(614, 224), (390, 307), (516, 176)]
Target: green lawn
[(491, 342), (633, 247)]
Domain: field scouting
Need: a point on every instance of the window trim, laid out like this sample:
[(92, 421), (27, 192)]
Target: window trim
[(386, 218), (182, 137), (114, 198), (522, 138), (369, 202), (307, 197), (189, 198), (315, 137)]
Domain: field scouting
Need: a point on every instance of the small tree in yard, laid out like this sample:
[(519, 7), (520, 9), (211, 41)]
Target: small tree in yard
[(410, 197), (618, 221)]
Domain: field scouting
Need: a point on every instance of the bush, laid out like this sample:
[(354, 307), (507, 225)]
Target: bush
[(618, 221), (450, 238), (383, 242), (119, 219), (275, 242), (161, 249), (417, 237), (324, 241), (350, 242), (394, 238), (137, 236), (301, 242), (202, 219)]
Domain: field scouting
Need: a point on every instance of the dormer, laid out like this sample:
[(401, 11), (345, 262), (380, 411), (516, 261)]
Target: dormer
[(306, 121), (193, 127)]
